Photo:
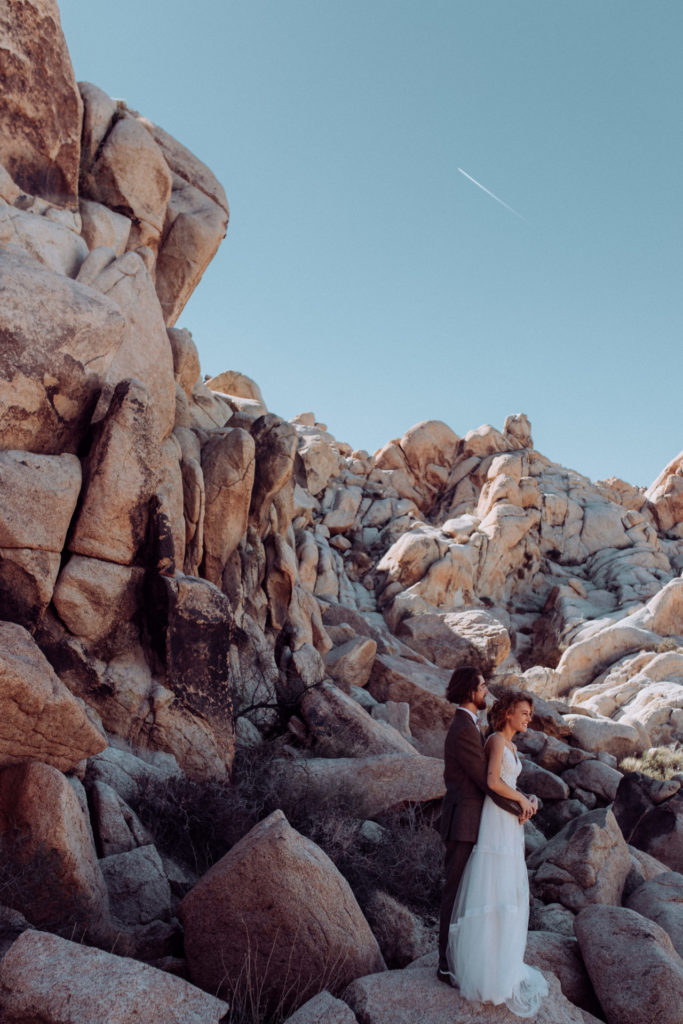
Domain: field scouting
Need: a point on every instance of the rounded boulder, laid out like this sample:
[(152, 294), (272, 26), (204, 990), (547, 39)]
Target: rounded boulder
[(274, 915)]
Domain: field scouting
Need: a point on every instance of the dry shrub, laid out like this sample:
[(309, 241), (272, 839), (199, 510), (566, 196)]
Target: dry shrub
[(251, 998), (406, 863), (657, 762), (667, 644), (196, 823)]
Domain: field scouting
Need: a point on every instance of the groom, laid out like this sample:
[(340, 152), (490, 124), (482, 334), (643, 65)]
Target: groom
[(465, 777)]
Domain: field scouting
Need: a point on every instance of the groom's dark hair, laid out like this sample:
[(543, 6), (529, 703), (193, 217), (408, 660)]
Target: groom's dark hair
[(463, 683)]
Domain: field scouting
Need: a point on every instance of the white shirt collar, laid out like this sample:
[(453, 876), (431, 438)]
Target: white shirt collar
[(470, 713)]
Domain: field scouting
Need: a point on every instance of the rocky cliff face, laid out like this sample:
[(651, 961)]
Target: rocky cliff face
[(182, 570)]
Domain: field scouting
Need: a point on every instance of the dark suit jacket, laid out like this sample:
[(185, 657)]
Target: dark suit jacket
[(465, 770)]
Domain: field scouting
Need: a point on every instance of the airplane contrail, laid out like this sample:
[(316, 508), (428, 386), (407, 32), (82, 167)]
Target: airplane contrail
[(489, 193)]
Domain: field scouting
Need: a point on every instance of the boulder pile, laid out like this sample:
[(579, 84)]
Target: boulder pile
[(185, 575)]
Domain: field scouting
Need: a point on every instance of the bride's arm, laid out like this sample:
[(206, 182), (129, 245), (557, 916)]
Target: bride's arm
[(494, 752)]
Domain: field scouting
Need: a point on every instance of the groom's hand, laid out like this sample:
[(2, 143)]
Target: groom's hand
[(530, 809)]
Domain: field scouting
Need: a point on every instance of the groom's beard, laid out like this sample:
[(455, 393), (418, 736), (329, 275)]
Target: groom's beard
[(480, 703)]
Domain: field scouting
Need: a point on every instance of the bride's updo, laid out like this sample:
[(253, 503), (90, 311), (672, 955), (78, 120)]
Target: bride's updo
[(507, 702)]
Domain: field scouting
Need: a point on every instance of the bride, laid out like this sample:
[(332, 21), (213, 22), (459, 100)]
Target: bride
[(487, 935)]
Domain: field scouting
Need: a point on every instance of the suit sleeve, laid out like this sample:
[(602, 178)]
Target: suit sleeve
[(508, 805)]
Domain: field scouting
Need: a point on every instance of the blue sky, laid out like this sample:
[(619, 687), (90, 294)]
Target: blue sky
[(363, 277)]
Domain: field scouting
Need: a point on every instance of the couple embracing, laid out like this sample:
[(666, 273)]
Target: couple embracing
[(485, 902)]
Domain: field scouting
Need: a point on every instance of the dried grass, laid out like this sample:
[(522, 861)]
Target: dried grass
[(657, 762)]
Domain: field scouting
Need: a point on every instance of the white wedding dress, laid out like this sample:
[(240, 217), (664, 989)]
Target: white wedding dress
[(488, 931)]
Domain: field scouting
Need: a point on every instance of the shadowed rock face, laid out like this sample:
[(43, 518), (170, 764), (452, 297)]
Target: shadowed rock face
[(660, 832), (196, 622), (661, 900), (323, 1007), (30, 545), (376, 783), (560, 954), (276, 443), (228, 466), (340, 726)]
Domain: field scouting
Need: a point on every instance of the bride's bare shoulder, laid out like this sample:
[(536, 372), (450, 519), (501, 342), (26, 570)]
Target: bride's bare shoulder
[(495, 741)]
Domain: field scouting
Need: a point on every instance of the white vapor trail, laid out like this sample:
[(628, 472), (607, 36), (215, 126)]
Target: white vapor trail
[(489, 193)]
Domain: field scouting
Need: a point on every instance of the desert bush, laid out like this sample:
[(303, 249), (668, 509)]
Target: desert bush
[(666, 645), (406, 863), (196, 823), (657, 762)]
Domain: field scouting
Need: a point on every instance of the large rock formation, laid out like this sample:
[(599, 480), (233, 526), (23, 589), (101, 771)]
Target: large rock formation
[(184, 573)]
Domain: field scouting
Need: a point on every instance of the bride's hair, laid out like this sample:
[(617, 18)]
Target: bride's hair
[(507, 702)]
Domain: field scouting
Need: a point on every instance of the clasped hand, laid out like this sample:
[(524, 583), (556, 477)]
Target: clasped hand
[(529, 807)]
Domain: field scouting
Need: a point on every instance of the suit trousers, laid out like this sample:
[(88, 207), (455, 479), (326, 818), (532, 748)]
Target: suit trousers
[(457, 855)]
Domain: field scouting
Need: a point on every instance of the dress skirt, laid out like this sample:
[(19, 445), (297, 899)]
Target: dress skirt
[(487, 937)]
